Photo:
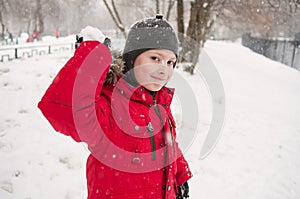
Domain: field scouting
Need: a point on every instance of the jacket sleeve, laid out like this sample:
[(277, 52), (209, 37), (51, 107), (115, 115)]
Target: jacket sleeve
[(183, 171), (69, 103)]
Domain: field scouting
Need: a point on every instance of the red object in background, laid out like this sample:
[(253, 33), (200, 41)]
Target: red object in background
[(29, 40), (35, 34), (56, 33)]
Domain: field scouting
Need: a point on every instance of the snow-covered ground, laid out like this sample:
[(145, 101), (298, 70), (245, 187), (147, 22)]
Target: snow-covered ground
[(257, 156)]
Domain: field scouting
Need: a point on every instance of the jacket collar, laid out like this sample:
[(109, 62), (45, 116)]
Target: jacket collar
[(139, 94)]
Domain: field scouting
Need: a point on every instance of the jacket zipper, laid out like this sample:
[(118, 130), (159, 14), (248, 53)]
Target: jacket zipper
[(161, 121), (171, 132), (150, 130), (157, 111), (153, 148)]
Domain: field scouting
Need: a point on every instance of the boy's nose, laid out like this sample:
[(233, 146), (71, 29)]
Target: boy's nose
[(164, 64), (163, 68)]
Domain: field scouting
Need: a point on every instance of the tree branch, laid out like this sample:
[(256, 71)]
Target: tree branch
[(120, 26), (116, 11), (272, 5), (171, 4)]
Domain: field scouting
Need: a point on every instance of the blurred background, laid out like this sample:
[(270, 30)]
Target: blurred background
[(227, 19), (195, 20)]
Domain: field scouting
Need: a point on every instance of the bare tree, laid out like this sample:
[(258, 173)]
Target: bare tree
[(289, 11), (26, 15), (54, 11), (269, 18), (39, 18), (141, 9), (180, 20), (3, 11), (23, 13), (203, 14)]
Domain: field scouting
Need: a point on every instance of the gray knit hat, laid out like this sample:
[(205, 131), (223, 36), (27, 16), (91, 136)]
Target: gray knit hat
[(146, 34)]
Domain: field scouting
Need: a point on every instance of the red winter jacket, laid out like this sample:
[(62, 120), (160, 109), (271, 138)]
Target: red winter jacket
[(130, 133)]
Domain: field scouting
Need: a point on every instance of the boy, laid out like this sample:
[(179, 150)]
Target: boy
[(122, 111)]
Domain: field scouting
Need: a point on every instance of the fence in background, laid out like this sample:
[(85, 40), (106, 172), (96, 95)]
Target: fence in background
[(286, 51), (9, 53)]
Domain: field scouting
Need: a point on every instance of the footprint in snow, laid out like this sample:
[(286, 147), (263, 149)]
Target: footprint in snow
[(7, 186), (4, 70), (5, 147)]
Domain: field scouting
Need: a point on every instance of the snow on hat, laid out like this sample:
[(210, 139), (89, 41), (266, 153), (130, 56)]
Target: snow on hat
[(146, 34)]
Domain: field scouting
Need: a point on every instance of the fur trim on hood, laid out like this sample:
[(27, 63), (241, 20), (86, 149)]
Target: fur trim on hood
[(116, 68)]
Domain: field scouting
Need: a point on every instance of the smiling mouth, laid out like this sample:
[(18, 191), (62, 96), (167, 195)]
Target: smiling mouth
[(158, 78)]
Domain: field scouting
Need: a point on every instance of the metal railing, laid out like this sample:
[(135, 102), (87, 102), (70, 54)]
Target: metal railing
[(9, 53), (286, 51)]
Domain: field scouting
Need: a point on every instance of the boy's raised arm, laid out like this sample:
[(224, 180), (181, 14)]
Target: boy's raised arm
[(75, 88)]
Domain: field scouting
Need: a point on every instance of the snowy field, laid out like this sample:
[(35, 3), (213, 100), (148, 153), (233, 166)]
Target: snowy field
[(257, 156)]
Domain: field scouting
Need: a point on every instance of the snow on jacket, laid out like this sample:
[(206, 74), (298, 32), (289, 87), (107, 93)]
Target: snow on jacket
[(130, 133)]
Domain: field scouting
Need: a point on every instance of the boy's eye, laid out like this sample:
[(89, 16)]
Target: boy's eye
[(171, 63), (154, 58)]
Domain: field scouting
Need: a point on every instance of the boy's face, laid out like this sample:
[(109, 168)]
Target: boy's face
[(154, 68)]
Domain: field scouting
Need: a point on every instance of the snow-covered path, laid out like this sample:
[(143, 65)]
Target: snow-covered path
[(258, 154), (256, 157)]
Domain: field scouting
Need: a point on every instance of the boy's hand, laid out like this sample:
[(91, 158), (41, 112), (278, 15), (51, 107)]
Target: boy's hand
[(107, 43), (183, 191), (79, 39)]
